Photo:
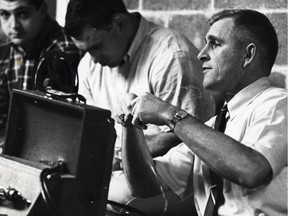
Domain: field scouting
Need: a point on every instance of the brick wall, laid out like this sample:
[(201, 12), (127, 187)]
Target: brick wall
[(189, 17)]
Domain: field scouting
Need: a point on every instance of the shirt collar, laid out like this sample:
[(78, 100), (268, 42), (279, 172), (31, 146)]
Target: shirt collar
[(247, 95), (139, 37)]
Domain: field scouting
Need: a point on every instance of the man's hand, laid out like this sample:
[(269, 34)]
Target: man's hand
[(124, 113), (151, 109), (141, 110)]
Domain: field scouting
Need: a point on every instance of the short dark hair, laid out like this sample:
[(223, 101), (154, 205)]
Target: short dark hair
[(36, 3), (96, 13), (250, 24)]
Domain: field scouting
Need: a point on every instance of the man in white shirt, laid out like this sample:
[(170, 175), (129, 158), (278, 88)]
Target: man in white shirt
[(126, 53), (250, 157)]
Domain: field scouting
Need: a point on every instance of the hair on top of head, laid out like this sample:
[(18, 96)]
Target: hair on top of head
[(96, 13), (36, 3), (255, 26)]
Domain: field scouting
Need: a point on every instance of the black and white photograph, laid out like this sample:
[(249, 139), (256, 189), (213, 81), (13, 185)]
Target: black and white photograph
[(143, 107)]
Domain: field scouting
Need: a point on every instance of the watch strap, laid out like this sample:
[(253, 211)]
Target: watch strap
[(178, 116)]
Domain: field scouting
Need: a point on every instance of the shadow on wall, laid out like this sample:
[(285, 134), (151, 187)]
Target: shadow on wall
[(278, 80)]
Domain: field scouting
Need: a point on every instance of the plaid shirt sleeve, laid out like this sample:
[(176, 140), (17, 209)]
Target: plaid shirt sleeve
[(17, 71), (64, 43), (4, 92)]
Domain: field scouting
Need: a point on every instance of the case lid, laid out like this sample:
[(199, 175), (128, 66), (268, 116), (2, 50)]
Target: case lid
[(45, 130)]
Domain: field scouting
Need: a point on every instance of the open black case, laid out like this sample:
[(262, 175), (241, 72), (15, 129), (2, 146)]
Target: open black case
[(74, 140)]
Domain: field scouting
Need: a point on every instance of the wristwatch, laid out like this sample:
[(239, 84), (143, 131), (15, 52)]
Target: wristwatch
[(178, 116)]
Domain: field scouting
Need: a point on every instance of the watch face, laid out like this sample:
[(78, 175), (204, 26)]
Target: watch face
[(179, 115)]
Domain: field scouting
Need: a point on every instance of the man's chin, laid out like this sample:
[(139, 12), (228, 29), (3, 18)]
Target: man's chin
[(18, 41), (209, 86), (206, 85), (112, 65)]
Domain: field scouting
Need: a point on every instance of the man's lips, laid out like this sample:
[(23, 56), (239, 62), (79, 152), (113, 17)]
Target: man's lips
[(206, 69), (15, 35)]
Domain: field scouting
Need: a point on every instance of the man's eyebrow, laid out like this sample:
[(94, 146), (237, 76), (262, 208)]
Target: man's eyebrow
[(213, 38), (14, 10), (20, 9)]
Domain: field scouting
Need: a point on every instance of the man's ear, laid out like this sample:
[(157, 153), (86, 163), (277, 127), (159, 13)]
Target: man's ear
[(119, 22), (250, 54)]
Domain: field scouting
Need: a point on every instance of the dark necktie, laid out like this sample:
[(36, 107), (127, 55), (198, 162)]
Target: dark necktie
[(216, 181)]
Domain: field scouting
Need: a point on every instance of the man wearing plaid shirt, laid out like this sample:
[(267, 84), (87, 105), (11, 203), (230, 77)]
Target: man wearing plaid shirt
[(31, 33)]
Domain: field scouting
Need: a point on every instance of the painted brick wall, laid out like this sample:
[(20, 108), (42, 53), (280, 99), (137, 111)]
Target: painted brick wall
[(189, 17)]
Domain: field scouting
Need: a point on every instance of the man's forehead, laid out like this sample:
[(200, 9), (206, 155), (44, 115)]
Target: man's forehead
[(13, 5), (88, 38), (87, 33), (17, 1), (221, 28)]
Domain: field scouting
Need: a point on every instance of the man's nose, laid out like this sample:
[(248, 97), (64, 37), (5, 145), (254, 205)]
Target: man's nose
[(14, 22), (203, 55)]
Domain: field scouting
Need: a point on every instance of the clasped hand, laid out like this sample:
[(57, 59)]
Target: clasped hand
[(141, 110)]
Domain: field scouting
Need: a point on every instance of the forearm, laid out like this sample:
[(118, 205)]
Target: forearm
[(162, 143), (4, 104), (138, 164), (224, 155), (227, 157)]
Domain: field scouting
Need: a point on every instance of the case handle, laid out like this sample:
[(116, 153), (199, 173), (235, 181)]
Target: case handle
[(70, 97)]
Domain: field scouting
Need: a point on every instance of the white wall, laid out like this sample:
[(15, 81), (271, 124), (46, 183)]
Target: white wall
[(61, 11)]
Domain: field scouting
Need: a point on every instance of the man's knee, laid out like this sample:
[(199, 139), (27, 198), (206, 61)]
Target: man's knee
[(118, 189), (119, 193), (167, 203)]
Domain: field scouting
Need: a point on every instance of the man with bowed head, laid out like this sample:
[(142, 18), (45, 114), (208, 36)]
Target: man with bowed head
[(248, 160), (126, 53), (31, 33)]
